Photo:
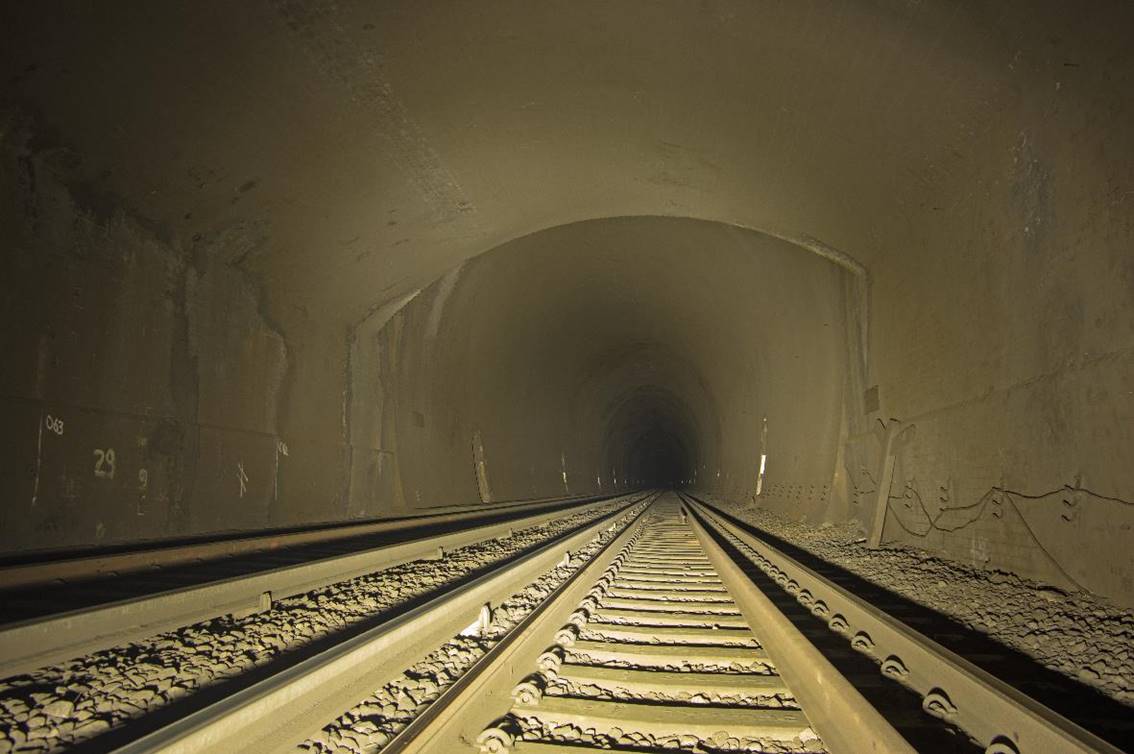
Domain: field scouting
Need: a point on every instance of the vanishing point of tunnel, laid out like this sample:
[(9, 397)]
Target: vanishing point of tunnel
[(290, 282)]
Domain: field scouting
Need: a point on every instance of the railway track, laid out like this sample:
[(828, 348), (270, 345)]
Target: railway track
[(659, 627), (657, 656), (207, 686), (50, 612), (666, 643)]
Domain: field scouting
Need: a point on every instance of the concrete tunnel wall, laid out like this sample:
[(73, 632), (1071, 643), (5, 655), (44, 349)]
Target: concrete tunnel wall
[(541, 367), (204, 253)]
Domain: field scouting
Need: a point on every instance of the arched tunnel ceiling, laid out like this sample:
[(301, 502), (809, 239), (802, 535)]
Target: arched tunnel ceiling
[(347, 153), (211, 209)]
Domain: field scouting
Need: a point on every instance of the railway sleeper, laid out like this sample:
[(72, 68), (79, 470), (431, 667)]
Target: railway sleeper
[(669, 585), (670, 560), (669, 657), (665, 606), (666, 618), (680, 686), (671, 595), (669, 571), (572, 719), (678, 635), (653, 577)]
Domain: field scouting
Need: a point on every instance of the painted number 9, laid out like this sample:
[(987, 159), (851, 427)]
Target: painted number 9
[(104, 463)]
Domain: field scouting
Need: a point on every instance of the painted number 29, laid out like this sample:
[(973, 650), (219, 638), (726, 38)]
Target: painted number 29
[(104, 463)]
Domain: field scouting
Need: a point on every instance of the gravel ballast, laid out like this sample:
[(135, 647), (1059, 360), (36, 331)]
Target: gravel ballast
[(369, 725), (61, 705)]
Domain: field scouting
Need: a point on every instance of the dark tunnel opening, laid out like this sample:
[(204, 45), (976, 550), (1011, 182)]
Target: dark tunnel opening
[(658, 459), (651, 439)]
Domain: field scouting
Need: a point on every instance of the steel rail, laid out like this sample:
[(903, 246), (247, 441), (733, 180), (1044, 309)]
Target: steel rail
[(456, 721), (844, 719), (279, 712), (485, 690), (55, 566), (998, 716), (36, 642)]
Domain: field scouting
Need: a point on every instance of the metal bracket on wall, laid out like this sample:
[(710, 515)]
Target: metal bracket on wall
[(891, 431)]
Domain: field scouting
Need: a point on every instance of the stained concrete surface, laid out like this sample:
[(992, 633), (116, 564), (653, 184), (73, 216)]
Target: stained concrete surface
[(213, 215)]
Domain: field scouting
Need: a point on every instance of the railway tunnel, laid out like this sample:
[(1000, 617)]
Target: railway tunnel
[(858, 275)]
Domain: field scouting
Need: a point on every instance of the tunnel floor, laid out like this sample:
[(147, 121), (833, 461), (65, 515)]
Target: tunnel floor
[(119, 695)]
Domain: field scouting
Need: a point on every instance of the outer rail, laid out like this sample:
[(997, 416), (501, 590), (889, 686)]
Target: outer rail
[(998, 716), (36, 642), (159, 555), (280, 711), (845, 720)]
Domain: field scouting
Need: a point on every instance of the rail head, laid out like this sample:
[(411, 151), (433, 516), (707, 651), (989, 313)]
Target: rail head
[(998, 716)]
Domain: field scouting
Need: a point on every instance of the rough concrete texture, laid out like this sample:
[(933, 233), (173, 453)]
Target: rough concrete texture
[(212, 211), (144, 382), (1076, 634)]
